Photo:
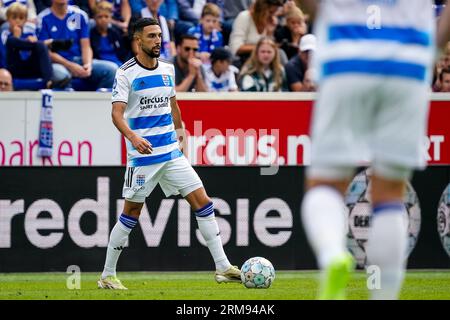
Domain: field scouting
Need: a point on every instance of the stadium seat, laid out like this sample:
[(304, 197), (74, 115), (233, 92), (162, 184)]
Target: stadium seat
[(79, 84), (104, 90), (31, 84)]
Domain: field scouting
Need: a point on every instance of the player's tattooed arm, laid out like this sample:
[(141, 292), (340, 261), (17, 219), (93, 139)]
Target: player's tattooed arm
[(177, 121), (140, 144)]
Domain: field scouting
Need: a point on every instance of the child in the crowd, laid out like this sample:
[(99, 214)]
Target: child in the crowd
[(206, 31), (220, 76), (263, 71), (288, 36), (106, 39), (5, 4), (20, 51), (121, 13)]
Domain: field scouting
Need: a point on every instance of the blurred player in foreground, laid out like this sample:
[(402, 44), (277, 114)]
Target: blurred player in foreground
[(374, 59), (146, 112)]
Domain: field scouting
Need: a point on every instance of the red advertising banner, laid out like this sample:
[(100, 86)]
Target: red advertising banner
[(264, 132)]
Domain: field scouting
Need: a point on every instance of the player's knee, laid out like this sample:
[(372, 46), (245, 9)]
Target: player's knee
[(337, 177), (389, 184), (133, 209), (198, 198), (339, 185), (391, 171)]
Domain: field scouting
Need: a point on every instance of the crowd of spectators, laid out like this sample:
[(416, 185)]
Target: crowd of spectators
[(215, 45)]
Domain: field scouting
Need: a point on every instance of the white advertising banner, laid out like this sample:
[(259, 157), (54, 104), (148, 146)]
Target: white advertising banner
[(83, 133)]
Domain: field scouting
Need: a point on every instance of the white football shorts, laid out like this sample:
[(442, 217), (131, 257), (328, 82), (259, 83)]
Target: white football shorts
[(175, 177), (359, 120)]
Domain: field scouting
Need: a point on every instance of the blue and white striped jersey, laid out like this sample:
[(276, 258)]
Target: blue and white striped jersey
[(393, 38), (147, 93)]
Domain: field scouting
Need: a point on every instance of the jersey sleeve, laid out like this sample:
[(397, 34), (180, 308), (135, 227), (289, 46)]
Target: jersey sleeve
[(121, 87), (42, 28), (84, 25)]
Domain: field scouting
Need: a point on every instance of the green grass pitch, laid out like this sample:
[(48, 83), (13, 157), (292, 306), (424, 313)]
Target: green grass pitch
[(288, 285)]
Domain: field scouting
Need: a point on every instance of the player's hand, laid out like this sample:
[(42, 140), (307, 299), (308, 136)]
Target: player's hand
[(141, 145), (182, 144)]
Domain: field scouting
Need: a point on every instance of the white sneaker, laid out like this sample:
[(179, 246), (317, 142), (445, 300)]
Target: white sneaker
[(232, 274), (111, 282)]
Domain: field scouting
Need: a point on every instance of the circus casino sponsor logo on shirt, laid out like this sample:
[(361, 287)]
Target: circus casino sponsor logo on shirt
[(153, 102)]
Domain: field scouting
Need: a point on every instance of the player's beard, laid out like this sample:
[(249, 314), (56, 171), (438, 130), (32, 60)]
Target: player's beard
[(151, 53)]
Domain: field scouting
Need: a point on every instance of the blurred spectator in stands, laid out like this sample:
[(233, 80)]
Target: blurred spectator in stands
[(168, 9), (16, 23), (288, 36), (41, 5), (107, 41), (206, 31), (189, 74), (442, 63), (251, 25), (6, 82), (4, 4), (263, 71), (297, 66), (445, 80), (82, 4), (121, 13), (189, 14), (220, 76), (22, 54), (445, 59), (309, 83), (62, 21), (151, 10), (231, 9)]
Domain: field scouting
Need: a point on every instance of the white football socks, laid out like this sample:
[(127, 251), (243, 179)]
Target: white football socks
[(209, 229), (324, 221), (117, 239), (387, 248)]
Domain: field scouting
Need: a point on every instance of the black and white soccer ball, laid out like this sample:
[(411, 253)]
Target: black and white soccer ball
[(359, 209), (257, 272), (443, 219)]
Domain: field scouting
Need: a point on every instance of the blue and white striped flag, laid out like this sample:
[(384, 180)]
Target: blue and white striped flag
[(46, 125)]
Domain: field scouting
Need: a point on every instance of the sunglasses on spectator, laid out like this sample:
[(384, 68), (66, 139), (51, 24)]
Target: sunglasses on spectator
[(189, 49)]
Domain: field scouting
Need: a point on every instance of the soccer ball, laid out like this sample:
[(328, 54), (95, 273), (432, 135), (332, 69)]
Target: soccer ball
[(443, 219), (257, 272), (359, 209)]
